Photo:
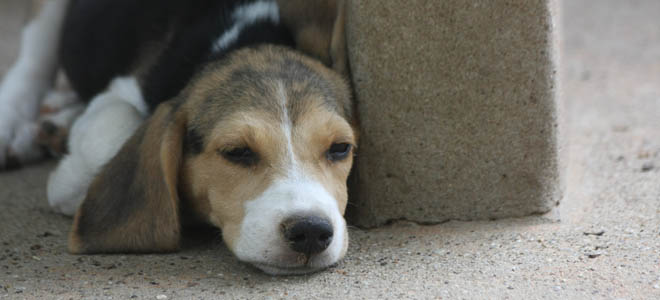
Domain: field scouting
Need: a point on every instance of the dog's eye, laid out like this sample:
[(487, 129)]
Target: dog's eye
[(241, 155), (339, 151)]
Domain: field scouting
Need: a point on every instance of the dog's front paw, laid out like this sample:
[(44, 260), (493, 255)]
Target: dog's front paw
[(19, 103), (24, 141), (18, 144)]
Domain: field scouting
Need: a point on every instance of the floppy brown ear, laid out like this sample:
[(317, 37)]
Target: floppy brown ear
[(133, 205), (318, 29)]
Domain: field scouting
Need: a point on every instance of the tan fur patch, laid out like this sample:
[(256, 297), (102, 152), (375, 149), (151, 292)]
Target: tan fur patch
[(222, 186), (318, 27), (316, 131)]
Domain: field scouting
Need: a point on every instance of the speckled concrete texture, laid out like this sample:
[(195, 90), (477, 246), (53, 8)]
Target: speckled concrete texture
[(458, 109), (606, 246)]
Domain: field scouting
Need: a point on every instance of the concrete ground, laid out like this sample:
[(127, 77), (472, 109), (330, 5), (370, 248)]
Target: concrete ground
[(603, 241)]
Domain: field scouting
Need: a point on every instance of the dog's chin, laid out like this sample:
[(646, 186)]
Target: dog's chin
[(287, 270), (315, 264), (286, 262), (292, 265)]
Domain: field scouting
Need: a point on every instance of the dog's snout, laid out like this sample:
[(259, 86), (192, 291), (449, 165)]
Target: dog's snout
[(308, 235)]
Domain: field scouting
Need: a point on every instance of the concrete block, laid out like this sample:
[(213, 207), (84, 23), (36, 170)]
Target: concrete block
[(458, 109)]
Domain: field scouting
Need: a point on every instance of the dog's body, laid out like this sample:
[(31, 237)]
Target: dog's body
[(204, 112)]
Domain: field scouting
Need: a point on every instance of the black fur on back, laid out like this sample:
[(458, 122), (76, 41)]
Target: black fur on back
[(103, 39)]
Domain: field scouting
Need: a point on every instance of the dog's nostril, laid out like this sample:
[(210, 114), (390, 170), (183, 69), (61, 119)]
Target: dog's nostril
[(308, 235), (299, 238), (325, 237)]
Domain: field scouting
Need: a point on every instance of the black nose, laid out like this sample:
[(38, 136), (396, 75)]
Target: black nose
[(308, 235)]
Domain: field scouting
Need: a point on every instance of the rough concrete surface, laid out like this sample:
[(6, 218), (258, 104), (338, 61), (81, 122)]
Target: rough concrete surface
[(457, 109), (606, 246)]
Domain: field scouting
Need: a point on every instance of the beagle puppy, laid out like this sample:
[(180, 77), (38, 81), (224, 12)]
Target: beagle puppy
[(236, 113)]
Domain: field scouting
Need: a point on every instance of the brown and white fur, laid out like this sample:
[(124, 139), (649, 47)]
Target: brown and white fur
[(258, 141)]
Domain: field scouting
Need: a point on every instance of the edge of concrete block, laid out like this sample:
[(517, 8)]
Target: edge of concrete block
[(368, 205)]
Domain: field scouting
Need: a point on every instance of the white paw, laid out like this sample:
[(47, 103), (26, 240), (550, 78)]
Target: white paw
[(24, 141), (18, 144), (67, 185), (20, 95)]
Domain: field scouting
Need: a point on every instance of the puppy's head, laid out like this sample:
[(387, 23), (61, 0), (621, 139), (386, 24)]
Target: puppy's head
[(270, 148), (259, 144)]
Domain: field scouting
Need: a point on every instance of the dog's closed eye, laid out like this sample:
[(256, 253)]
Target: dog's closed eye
[(339, 151), (243, 156)]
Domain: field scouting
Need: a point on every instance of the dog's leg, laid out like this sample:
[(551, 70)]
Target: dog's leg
[(25, 84), (96, 136)]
